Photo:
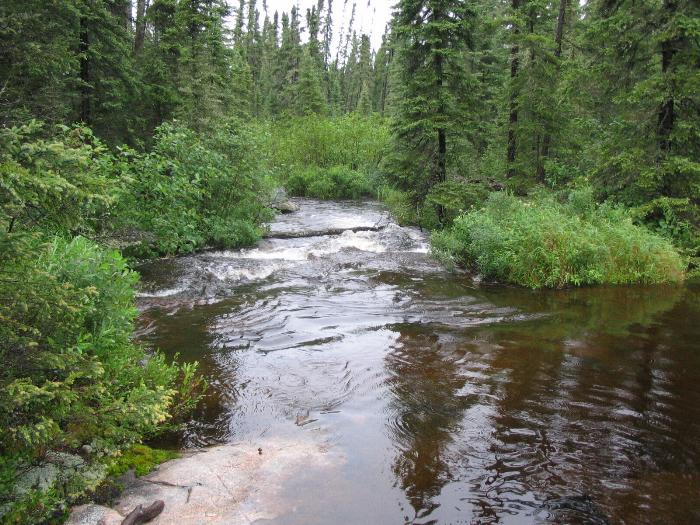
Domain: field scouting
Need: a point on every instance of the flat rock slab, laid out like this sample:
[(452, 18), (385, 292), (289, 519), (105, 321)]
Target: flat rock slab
[(229, 484), (94, 515)]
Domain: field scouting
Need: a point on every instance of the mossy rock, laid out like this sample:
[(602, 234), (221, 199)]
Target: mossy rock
[(141, 459)]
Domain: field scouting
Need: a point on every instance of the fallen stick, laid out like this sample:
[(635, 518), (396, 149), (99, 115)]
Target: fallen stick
[(143, 514)]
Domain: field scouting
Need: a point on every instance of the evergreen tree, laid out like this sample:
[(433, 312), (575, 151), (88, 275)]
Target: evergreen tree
[(645, 97), (431, 37)]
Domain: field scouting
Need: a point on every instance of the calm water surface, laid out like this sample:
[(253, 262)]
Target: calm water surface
[(450, 401)]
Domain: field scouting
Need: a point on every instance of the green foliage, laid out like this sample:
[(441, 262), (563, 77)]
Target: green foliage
[(337, 182), (141, 459), (353, 141), (433, 86), (59, 184), (193, 191), (400, 204), (543, 243), (72, 377)]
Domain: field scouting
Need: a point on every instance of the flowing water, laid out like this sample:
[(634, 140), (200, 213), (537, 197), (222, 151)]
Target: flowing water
[(448, 400)]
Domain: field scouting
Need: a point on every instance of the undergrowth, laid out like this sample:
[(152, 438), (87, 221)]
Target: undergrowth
[(544, 243)]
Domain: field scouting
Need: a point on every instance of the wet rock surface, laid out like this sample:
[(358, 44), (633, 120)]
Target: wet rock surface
[(228, 484)]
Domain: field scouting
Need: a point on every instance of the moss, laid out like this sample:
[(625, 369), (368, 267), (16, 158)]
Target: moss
[(141, 458)]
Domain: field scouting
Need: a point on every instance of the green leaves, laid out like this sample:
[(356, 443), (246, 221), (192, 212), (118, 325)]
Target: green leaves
[(71, 375), (193, 191), (541, 243)]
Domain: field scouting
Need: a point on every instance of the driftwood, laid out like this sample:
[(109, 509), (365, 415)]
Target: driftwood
[(143, 514), (322, 233)]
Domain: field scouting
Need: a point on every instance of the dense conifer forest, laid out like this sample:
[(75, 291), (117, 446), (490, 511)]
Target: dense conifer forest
[(546, 143)]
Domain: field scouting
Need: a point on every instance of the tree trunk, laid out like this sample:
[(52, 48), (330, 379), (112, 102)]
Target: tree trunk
[(140, 37), (85, 72), (513, 117), (122, 11), (558, 39), (667, 110), (441, 172)]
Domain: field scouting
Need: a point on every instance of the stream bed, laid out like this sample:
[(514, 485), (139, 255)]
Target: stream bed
[(441, 399)]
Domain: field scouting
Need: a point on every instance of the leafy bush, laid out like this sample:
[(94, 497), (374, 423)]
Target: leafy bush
[(400, 204), (337, 182), (72, 380), (544, 243), (354, 141), (59, 184), (450, 197), (192, 191)]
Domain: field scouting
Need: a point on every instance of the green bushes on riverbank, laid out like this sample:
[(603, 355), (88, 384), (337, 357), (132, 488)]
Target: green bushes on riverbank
[(326, 158), (338, 182), (75, 389), (355, 141), (544, 243), (192, 191)]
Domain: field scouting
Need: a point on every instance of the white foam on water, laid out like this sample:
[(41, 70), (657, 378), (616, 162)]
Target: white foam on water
[(231, 273), (167, 292), (363, 241)]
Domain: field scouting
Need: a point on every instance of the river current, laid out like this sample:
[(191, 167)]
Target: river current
[(449, 400)]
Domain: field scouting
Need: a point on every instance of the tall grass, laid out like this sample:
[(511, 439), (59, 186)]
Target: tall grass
[(544, 243)]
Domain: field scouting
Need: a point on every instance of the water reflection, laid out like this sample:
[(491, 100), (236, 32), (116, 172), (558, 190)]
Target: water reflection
[(426, 409), (573, 417)]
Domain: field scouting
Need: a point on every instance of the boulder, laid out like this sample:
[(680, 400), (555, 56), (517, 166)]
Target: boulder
[(279, 200), (94, 515)]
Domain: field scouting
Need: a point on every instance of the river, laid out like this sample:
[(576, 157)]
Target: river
[(444, 399)]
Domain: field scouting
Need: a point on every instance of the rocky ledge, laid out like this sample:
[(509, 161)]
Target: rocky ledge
[(237, 484)]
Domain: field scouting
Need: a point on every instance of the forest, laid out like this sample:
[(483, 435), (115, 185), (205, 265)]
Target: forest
[(544, 143)]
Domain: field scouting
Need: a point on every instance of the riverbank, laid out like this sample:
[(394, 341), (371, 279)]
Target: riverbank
[(240, 484)]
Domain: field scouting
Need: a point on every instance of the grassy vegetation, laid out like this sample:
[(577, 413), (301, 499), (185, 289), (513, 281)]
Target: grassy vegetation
[(543, 243), (326, 158), (338, 182), (141, 459)]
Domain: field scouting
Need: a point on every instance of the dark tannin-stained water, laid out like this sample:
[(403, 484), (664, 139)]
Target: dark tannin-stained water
[(449, 400)]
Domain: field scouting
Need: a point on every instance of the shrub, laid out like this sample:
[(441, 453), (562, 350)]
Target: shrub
[(353, 141), (400, 204), (72, 380), (337, 182), (192, 191), (60, 184), (544, 243)]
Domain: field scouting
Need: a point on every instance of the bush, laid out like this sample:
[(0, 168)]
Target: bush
[(61, 184), (400, 204), (74, 388), (192, 191), (353, 141), (544, 243), (337, 182)]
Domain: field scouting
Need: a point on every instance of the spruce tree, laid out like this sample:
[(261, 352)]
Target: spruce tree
[(431, 37)]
